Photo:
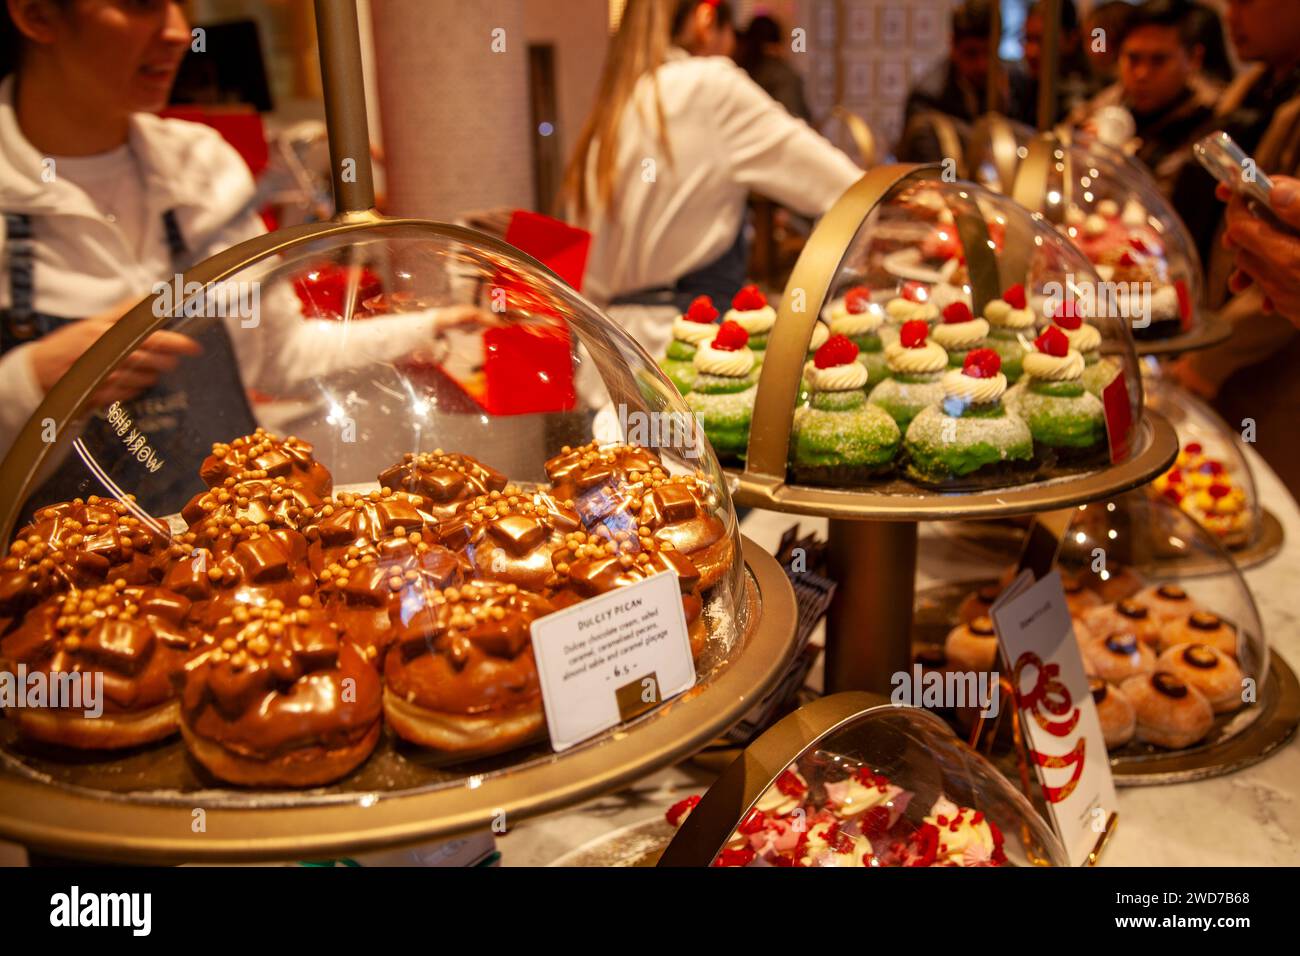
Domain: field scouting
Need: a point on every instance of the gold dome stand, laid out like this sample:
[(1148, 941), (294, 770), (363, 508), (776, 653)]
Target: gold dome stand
[(873, 533), (141, 806)]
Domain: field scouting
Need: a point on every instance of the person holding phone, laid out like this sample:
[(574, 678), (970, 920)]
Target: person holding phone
[(1265, 255), (664, 165)]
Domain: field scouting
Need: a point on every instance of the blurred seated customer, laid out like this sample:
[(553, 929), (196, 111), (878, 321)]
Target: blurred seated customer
[(1101, 31), (1160, 87), (663, 167), (1075, 81), (1252, 376), (1207, 29), (957, 85), (1264, 254), (763, 55)]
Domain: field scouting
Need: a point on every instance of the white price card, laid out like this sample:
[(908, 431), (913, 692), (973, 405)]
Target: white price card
[(1062, 732), (612, 657)]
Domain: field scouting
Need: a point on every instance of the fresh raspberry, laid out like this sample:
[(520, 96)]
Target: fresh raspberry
[(1193, 448), (1067, 314), (913, 333), (731, 337), (730, 857), (680, 810), (1015, 296), (749, 299), (915, 292), (790, 784), (837, 350), (1174, 476), (1053, 342), (1127, 260), (857, 300), (1212, 468), (956, 313), (1218, 491), (982, 363), (702, 311)]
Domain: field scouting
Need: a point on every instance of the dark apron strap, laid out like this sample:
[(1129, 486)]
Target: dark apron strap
[(721, 279)]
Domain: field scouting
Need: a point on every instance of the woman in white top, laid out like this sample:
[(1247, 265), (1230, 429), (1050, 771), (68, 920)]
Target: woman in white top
[(101, 202), (665, 163)]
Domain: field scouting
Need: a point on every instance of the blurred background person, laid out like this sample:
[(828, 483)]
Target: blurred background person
[(663, 167), (1254, 375), (1075, 81), (763, 53), (1160, 86), (957, 86), (1207, 29), (1101, 31)]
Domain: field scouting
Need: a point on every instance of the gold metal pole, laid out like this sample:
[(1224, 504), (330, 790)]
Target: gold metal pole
[(869, 624), (1051, 61), (345, 106)]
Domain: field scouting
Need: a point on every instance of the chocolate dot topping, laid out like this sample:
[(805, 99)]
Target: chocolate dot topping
[(1133, 610), (1169, 685), (1204, 621), (1171, 592), (983, 627), (988, 593), (931, 656), (1098, 688), (1202, 656), (1122, 643)]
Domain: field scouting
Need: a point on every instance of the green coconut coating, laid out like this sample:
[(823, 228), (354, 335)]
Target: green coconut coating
[(1010, 351), (681, 374), (724, 414), (844, 429), (1059, 414), (903, 396), (1098, 373), (877, 367), (758, 341), (680, 351), (942, 446)]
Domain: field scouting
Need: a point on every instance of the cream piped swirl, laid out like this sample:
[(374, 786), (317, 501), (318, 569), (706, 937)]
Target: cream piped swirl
[(731, 364), (855, 323), (754, 321), (838, 378), (904, 310), (1001, 315), (693, 333), (960, 335), (1052, 368), (930, 357), (958, 385), (1084, 339), (819, 336)]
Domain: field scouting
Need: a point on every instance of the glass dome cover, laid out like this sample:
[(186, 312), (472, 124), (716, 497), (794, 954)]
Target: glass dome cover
[(396, 447), (942, 289), (851, 780)]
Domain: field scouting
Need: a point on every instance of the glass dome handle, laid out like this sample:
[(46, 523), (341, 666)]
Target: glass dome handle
[(345, 106)]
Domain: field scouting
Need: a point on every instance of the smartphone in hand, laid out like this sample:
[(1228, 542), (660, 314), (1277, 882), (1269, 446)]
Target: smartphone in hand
[(1228, 163)]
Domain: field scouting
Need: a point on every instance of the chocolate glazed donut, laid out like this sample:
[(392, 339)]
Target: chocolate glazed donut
[(460, 675), (251, 501), (280, 700), (441, 480), (134, 636), (511, 535), (265, 455), (347, 520), (580, 474)]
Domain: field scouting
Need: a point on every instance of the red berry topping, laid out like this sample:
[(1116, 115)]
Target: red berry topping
[(681, 809), (1053, 342), (1174, 495), (1218, 491), (1127, 260), (755, 820), (857, 300), (956, 313), (790, 784), (1015, 296), (837, 350), (702, 311), (913, 333), (925, 846), (1175, 476), (915, 292), (749, 299), (1192, 448), (1138, 244), (1212, 468), (731, 337), (982, 363), (730, 857), (1067, 314), (875, 820)]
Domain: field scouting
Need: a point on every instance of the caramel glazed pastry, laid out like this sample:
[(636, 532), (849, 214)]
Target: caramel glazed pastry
[(265, 455), (626, 488), (280, 699)]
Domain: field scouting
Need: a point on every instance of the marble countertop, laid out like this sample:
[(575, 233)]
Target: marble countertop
[(1249, 818)]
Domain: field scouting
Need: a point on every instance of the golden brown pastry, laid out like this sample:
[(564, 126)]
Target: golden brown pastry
[(1169, 713), (978, 603), (973, 646), (441, 480), (266, 455), (356, 520), (1203, 627), (1115, 711), (280, 700), (460, 677), (1118, 656), (1124, 616), (134, 635), (1166, 602), (1078, 596), (1214, 674)]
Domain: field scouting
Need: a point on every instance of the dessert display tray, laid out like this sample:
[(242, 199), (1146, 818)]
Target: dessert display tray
[(1003, 539), (1209, 331), (1237, 740), (637, 845), (154, 804)]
